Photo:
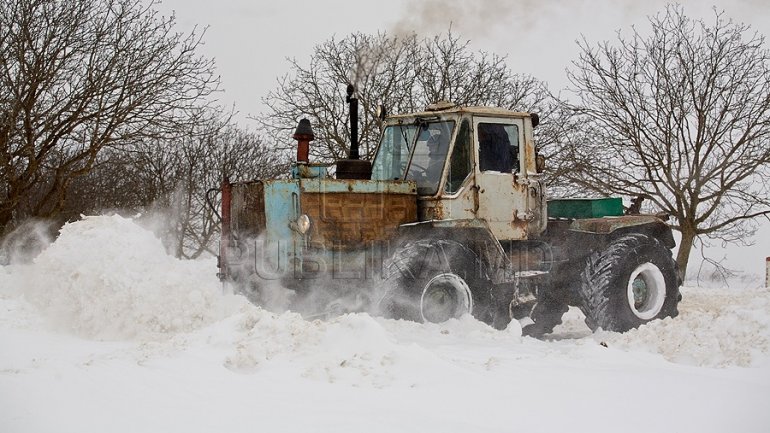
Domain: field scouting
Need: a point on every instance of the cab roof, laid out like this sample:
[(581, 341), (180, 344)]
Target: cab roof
[(444, 107)]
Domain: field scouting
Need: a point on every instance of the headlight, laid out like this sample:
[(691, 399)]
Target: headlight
[(303, 223)]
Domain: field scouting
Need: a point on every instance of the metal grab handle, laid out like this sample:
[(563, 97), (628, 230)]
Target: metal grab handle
[(211, 204)]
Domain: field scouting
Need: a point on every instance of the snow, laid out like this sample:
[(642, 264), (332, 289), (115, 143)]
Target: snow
[(104, 331), (107, 277)]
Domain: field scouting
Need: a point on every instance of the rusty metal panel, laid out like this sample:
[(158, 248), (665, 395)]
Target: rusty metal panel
[(462, 205), (610, 224), (503, 205), (344, 214), (358, 186), (350, 220), (248, 208), (537, 205)]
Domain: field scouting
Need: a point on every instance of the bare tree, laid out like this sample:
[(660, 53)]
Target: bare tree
[(681, 116), (403, 73), (169, 175), (213, 148), (77, 77), (377, 64)]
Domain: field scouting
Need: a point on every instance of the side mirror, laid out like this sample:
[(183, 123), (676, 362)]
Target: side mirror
[(539, 163), (535, 120)]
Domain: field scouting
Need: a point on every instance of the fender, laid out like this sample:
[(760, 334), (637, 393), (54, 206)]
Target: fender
[(474, 233), (650, 224)]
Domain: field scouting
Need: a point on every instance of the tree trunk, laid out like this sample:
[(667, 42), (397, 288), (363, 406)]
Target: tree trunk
[(685, 247)]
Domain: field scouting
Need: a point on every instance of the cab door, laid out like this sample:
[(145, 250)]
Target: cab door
[(500, 174)]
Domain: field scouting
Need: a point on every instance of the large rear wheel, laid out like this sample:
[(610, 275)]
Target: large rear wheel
[(631, 282)]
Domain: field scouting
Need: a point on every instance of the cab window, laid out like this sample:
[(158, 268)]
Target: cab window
[(498, 147), (429, 155), (460, 161), (393, 153)]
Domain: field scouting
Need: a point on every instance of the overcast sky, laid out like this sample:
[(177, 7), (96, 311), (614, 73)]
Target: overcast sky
[(251, 40)]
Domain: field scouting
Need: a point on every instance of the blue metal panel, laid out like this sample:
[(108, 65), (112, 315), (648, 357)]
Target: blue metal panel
[(281, 207), (279, 241)]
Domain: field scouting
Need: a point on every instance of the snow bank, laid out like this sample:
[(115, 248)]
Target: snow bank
[(356, 349), (715, 327), (106, 277)]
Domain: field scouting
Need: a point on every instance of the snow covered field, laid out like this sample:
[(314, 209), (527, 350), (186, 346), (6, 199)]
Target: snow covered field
[(105, 332)]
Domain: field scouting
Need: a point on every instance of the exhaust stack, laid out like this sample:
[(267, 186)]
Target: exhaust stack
[(352, 99), (353, 167), (304, 135)]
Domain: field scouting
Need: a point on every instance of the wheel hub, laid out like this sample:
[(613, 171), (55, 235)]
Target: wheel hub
[(646, 291), (444, 297), (639, 288)]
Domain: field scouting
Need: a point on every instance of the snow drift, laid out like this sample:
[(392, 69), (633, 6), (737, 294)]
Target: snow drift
[(715, 327), (106, 277)]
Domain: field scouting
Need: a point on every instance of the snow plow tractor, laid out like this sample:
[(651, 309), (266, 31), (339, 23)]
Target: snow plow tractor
[(449, 218)]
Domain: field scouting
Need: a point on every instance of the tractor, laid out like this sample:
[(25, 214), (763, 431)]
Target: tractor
[(449, 218)]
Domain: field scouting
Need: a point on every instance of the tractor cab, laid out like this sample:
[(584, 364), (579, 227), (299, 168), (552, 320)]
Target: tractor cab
[(469, 163)]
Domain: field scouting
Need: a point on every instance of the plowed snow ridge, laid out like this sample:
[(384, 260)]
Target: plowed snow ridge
[(106, 277)]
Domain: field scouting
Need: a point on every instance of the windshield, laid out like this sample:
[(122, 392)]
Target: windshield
[(393, 154), (429, 155)]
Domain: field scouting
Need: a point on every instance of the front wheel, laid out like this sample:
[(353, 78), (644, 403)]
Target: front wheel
[(446, 296), (434, 281), (631, 282)]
